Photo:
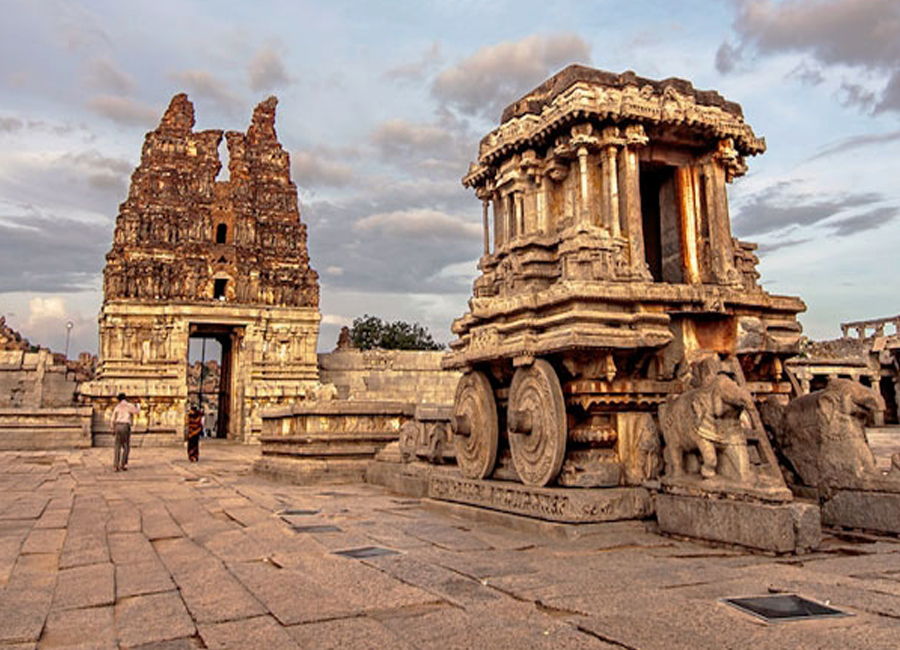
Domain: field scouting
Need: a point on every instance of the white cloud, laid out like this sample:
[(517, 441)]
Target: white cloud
[(861, 34), (266, 71), (43, 308), (496, 75), (206, 85), (396, 136), (416, 71), (419, 223), (335, 319), (311, 170), (104, 74), (125, 111)]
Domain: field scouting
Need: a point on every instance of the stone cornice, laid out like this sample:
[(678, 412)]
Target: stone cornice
[(634, 100)]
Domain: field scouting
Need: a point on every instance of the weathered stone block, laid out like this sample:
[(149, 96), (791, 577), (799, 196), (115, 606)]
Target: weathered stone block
[(784, 528), (551, 504), (874, 511)]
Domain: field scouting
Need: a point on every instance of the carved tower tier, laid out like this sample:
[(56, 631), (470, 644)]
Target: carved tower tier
[(226, 260)]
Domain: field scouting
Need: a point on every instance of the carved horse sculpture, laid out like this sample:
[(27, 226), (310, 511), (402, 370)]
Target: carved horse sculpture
[(708, 419), (823, 434)]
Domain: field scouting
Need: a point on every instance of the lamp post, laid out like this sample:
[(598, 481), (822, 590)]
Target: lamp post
[(69, 326)]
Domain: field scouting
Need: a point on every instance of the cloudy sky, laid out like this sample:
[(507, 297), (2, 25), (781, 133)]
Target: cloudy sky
[(382, 105)]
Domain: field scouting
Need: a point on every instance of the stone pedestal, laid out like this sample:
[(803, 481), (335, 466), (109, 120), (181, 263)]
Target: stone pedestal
[(790, 527), (327, 441), (557, 504), (872, 511)]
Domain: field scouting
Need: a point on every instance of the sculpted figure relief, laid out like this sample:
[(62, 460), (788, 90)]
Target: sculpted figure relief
[(707, 419), (823, 436)]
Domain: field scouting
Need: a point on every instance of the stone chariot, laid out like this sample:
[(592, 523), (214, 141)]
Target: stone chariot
[(609, 272)]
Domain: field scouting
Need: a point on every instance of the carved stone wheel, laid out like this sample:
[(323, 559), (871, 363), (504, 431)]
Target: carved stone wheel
[(537, 423), (474, 424)]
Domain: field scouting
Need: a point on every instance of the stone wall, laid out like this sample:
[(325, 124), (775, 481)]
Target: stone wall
[(395, 375), (34, 380), (37, 403)]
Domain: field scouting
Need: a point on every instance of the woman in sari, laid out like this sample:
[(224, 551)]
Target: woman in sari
[(194, 429)]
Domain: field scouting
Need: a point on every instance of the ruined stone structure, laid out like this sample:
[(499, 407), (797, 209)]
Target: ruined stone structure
[(868, 352), (193, 256), (609, 274), (367, 400), (38, 408)]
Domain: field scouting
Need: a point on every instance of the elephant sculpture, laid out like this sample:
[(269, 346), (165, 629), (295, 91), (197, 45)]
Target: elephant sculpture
[(823, 435), (707, 419)]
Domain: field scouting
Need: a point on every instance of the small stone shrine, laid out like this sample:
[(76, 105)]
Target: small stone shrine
[(221, 260), (614, 306)]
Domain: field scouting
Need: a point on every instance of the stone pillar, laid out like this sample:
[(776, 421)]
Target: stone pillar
[(630, 198), (498, 222), (487, 235), (717, 174), (541, 200), (519, 209), (611, 190), (585, 213), (485, 197), (685, 189)]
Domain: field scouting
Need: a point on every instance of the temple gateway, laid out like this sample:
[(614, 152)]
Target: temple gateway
[(222, 262)]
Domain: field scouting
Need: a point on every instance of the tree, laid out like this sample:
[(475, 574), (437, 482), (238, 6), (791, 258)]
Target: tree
[(370, 332)]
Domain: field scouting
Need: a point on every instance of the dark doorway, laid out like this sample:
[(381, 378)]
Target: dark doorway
[(661, 221), (210, 367), (221, 233), (219, 289), (891, 413)]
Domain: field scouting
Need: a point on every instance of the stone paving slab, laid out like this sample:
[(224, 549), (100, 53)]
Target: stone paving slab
[(142, 578), (176, 556), (81, 629), (148, 619), (258, 632), (213, 595), (44, 540), (92, 585)]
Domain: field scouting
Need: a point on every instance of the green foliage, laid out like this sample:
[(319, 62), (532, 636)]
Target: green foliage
[(370, 332)]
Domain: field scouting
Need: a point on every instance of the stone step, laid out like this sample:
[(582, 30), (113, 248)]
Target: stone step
[(322, 445)]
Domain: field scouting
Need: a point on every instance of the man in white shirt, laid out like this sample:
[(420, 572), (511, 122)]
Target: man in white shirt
[(122, 417)]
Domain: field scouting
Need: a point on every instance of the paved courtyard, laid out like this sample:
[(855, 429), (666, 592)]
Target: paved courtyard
[(174, 555)]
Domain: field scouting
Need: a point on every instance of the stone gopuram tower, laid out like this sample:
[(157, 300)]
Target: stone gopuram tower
[(218, 261)]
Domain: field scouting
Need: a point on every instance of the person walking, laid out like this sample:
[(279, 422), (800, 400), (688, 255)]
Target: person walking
[(122, 417), (194, 430)]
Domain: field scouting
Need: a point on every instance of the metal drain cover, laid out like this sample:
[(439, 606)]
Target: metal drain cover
[(366, 551), (321, 528), (784, 607)]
